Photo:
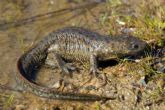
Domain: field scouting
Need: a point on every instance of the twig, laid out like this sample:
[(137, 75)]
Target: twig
[(39, 17), (5, 87)]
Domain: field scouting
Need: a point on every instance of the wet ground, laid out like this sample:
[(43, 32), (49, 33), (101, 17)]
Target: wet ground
[(134, 84)]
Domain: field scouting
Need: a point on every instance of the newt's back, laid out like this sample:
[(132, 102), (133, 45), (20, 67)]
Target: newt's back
[(80, 43)]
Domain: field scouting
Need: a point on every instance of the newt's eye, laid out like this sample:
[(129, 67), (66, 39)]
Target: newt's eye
[(135, 46)]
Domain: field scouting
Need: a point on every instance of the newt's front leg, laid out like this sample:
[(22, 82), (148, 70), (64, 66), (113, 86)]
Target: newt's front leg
[(93, 65), (94, 69)]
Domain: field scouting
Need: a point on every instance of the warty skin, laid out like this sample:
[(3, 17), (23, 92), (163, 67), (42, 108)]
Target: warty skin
[(76, 44)]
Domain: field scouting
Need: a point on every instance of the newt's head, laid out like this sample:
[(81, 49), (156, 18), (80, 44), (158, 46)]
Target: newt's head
[(130, 45), (123, 45)]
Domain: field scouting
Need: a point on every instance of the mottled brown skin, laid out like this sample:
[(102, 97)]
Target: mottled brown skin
[(76, 44)]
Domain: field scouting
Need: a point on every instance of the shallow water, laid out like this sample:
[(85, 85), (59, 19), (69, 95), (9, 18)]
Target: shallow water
[(17, 37)]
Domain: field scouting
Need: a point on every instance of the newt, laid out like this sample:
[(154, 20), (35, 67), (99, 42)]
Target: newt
[(76, 44)]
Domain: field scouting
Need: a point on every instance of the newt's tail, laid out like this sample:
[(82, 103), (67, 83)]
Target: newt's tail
[(26, 81)]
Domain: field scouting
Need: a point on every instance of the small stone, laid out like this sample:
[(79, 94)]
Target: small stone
[(19, 107), (56, 85)]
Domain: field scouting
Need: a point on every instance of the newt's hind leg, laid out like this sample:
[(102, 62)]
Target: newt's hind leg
[(65, 68), (50, 63)]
